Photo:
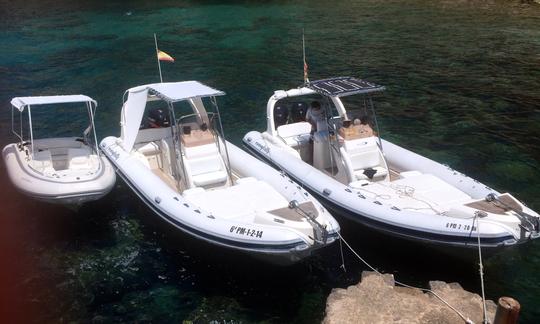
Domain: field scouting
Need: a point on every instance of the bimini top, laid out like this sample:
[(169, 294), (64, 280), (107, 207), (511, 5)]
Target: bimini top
[(21, 102), (177, 91), (343, 86), (137, 97)]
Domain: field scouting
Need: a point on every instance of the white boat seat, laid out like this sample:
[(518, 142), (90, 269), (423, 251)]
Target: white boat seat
[(434, 189), (362, 174), (365, 163), (244, 201), (207, 170), (297, 141), (42, 161), (79, 159), (296, 134), (204, 166), (209, 178), (200, 151), (149, 149)]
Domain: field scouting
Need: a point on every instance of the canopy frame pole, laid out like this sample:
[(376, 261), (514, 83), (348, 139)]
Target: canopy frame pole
[(331, 126), (31, 131), (21, 123), (181, 174), (370, 101), (229, 172), (157, 57), (13, 124), (89, 105)]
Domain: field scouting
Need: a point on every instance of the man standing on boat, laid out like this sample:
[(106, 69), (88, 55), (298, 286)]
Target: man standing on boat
[(315, 116)]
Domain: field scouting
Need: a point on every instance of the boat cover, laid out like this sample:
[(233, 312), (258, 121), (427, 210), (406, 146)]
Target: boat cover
[(177, 91), (21, 102), (134, 106), (343, 86)]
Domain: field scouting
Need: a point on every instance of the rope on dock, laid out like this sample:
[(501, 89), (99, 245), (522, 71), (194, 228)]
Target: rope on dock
[(465, 319)]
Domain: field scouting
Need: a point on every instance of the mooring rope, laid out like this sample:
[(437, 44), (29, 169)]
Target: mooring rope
[(481, 267), (342, 256), (466, 319)]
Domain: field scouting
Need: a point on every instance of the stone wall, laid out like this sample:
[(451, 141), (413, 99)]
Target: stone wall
[(376, 299)]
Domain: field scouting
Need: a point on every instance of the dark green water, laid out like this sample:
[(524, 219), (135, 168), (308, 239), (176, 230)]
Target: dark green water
[(463, 88)]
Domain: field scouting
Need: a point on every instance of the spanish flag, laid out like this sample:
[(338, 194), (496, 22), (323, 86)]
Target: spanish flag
[(162, 56), (306, 79)]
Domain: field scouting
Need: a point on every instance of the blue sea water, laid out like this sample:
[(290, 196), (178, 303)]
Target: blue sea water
[(462, 80)]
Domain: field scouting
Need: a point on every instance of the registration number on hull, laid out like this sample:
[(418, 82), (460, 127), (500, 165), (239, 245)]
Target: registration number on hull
[(246, 231), (458, 226)]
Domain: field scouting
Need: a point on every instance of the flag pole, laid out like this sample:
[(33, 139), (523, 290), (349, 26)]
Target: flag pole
[(306, 80), (157, 57)]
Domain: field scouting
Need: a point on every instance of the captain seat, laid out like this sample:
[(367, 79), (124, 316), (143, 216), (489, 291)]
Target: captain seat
[(364, 160), (204, 166)]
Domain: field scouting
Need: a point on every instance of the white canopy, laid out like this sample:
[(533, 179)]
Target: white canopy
[(21, 102), (135, 104), (178, 91)]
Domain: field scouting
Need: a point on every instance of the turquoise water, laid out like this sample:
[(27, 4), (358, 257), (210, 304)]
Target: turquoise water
[(462, 84)]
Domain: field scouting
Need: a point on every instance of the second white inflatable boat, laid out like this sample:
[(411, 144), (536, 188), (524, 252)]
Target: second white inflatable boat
[(173, 155)]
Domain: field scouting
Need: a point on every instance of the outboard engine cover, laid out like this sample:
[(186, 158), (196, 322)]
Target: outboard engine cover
[(281, 115), (158, 117), (298, 111)]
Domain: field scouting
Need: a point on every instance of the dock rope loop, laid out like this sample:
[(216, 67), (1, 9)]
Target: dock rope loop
[(465, 319)]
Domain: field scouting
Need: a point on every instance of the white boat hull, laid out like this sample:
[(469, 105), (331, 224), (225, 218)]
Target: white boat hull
[(57, 187), (198, 216), (494, 231)]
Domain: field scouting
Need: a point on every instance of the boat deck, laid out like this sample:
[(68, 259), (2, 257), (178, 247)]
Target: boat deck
[(238, 201), (167, 179), (423, 193)]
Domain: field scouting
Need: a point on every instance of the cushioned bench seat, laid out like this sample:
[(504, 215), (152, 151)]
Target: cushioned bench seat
[(364, 160), (80, 159), (296, 134), (204, 166), (42, 161)]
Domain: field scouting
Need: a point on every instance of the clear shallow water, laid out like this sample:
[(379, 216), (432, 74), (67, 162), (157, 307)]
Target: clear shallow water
[(462, 83)]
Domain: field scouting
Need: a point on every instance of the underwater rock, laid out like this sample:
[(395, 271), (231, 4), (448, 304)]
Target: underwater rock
[(375, 299)]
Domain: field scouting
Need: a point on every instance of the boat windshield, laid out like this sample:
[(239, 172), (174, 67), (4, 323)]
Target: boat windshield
[(197, 114), (294, 109), (359, 109)]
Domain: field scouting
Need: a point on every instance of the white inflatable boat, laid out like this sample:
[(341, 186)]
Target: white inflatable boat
[(62, 170), (342, 161), (175, 158)]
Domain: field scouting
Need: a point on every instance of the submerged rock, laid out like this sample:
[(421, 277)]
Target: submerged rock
[(377, 300)]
